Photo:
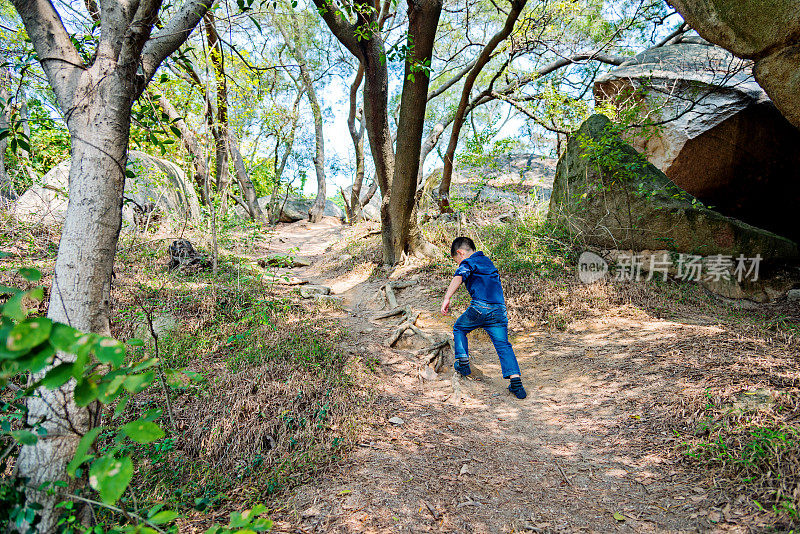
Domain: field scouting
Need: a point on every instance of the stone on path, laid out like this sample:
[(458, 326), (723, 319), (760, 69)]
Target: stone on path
[(284, 260), (158, 187), (310, 290)]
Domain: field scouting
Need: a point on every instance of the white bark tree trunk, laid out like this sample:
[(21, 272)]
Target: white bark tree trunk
[(81, 290), (96, 99), (293, 43)]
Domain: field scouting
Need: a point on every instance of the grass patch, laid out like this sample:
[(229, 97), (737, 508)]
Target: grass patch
[(530, 246), (761, 461)]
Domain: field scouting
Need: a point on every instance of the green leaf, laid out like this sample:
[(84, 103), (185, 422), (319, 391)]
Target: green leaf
[(194, 377), (23, 144), (618, 516), (135, 342), (58, 375), (25, 437), (85, 392), (28, 334), (8, 290), (81, 452), (121, 405), (246, 519), (14, 308), (110, 477), (142, 431), (37, 360), (31, 275), (64, 337), (109, 350), (137, 383), (153, 414), (145, 364), (108, 391), (163, 517)]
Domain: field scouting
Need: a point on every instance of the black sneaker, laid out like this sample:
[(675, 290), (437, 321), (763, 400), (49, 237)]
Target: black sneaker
[(462, 366), (516, 388)]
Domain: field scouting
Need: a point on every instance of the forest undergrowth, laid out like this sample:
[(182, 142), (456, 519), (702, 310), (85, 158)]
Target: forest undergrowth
[(262, 397)]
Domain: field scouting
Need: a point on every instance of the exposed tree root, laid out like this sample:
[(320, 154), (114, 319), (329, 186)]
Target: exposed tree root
[(434, 353)]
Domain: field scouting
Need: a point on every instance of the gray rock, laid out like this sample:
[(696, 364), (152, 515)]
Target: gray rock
[(428, 373), (492, 194), (163, 324), (709, 102), (158, 186), (487, 181), (295, 209), (310, 290), (764, 32), (793, 294), (372, 210), (633, 205), (284, 260), (396, 421)]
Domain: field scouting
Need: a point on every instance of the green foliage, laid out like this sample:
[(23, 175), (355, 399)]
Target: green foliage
[(752, 456), (101, 373), (617, 163), (530, 245)]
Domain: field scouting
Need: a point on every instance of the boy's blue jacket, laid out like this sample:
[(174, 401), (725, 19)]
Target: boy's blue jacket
[(481, 278)]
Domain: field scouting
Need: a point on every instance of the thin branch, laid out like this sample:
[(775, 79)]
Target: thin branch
[(172, 35), (60, 60), (449, 83)]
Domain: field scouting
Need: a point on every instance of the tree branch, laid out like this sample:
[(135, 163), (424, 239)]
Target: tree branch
[(172, 35), (138, 32), (340, 27), (60, 60), (483, 58), (449, 83)]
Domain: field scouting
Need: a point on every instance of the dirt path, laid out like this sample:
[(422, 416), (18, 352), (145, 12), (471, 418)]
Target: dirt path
[(585, 452)]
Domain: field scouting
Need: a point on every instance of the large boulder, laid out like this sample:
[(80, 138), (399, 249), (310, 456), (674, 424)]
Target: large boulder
[(606, 193), (157, 187), (511, 179), (295, 208), (767, 32), (720, 138)]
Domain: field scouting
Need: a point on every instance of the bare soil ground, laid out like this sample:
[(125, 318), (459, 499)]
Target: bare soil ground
[(592, 448)]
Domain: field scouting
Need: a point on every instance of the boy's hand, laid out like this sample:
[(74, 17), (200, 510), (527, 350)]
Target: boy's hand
[(445, 306)]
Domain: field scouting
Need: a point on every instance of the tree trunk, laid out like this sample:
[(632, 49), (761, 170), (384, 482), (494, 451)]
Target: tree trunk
[(376, 118), (357, 135), (189, 140), (423, 16), (483, 58), (317, 210), (423, 23), (225, 140), (295, 48), (81, 289), (96, 100), (7, 192), (245, 183)]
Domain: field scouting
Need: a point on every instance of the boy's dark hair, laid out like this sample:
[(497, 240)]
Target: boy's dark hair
[(462, 243)]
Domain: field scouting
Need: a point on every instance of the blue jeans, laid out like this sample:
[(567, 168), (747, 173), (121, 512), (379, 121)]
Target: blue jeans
[(492, 318)]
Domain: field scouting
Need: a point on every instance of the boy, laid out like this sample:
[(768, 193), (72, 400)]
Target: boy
[(487, 311)]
